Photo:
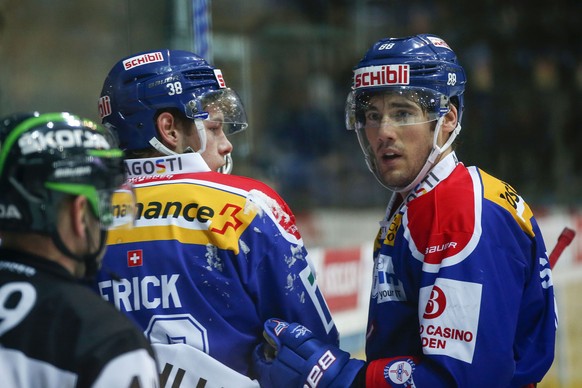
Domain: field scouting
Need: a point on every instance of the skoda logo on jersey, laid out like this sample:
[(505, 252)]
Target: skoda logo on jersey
[(37, 141)]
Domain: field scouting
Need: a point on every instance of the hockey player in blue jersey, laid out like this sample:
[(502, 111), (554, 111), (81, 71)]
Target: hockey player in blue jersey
[(462, 292), (212, 255)]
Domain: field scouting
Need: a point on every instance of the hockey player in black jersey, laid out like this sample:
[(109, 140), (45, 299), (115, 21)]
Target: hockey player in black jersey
[(58, 173)]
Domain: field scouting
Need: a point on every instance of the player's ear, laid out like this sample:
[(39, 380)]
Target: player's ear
[(77, 213), (450, 120), (166, 124)]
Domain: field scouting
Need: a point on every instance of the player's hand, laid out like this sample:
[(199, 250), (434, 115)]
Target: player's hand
[(293, 357)]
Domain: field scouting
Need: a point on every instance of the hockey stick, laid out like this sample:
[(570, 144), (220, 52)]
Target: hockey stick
[(564, 240)]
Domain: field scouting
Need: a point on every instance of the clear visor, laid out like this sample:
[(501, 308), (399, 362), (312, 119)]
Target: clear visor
[(394, 107), (117, 208), (220, 107)]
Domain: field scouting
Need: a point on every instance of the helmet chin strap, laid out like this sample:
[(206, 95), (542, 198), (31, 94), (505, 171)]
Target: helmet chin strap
[(201, 130), (89, 258), (227, 168), (158, 145), (201, 135), (432, 157)]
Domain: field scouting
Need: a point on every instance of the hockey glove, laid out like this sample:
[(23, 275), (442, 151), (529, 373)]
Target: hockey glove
[(293, 357)]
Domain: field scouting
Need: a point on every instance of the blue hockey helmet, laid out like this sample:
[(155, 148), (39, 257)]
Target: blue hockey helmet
[(140, 85), (422, 68), (421, 61)]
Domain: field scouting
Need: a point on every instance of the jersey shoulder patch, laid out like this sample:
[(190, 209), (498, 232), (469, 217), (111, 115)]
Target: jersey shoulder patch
[(444, 224), (268, 199), (502, 194)]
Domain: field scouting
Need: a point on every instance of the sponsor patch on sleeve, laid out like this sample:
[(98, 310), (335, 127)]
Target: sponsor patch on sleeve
[(449, 318), (507, 197), (391, 372)]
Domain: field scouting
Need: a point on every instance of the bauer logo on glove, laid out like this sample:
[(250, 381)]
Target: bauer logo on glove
[(294, 357)]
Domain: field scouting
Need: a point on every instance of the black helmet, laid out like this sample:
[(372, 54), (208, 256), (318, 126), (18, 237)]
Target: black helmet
[(44, 157)]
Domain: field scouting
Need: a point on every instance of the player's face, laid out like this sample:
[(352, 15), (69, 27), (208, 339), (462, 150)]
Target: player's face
[(217, 144), (400, 137)]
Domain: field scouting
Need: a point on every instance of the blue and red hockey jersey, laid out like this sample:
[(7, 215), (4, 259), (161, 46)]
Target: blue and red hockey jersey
[(462, 293), (210, 258)]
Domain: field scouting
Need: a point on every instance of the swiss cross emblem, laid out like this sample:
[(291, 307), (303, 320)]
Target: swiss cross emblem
[(135, 258)]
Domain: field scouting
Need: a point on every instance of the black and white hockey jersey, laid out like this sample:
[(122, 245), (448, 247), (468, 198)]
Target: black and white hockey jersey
[(56, 332)]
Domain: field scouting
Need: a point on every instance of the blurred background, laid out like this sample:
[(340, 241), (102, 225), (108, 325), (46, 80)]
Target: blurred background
[(291, 60)]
